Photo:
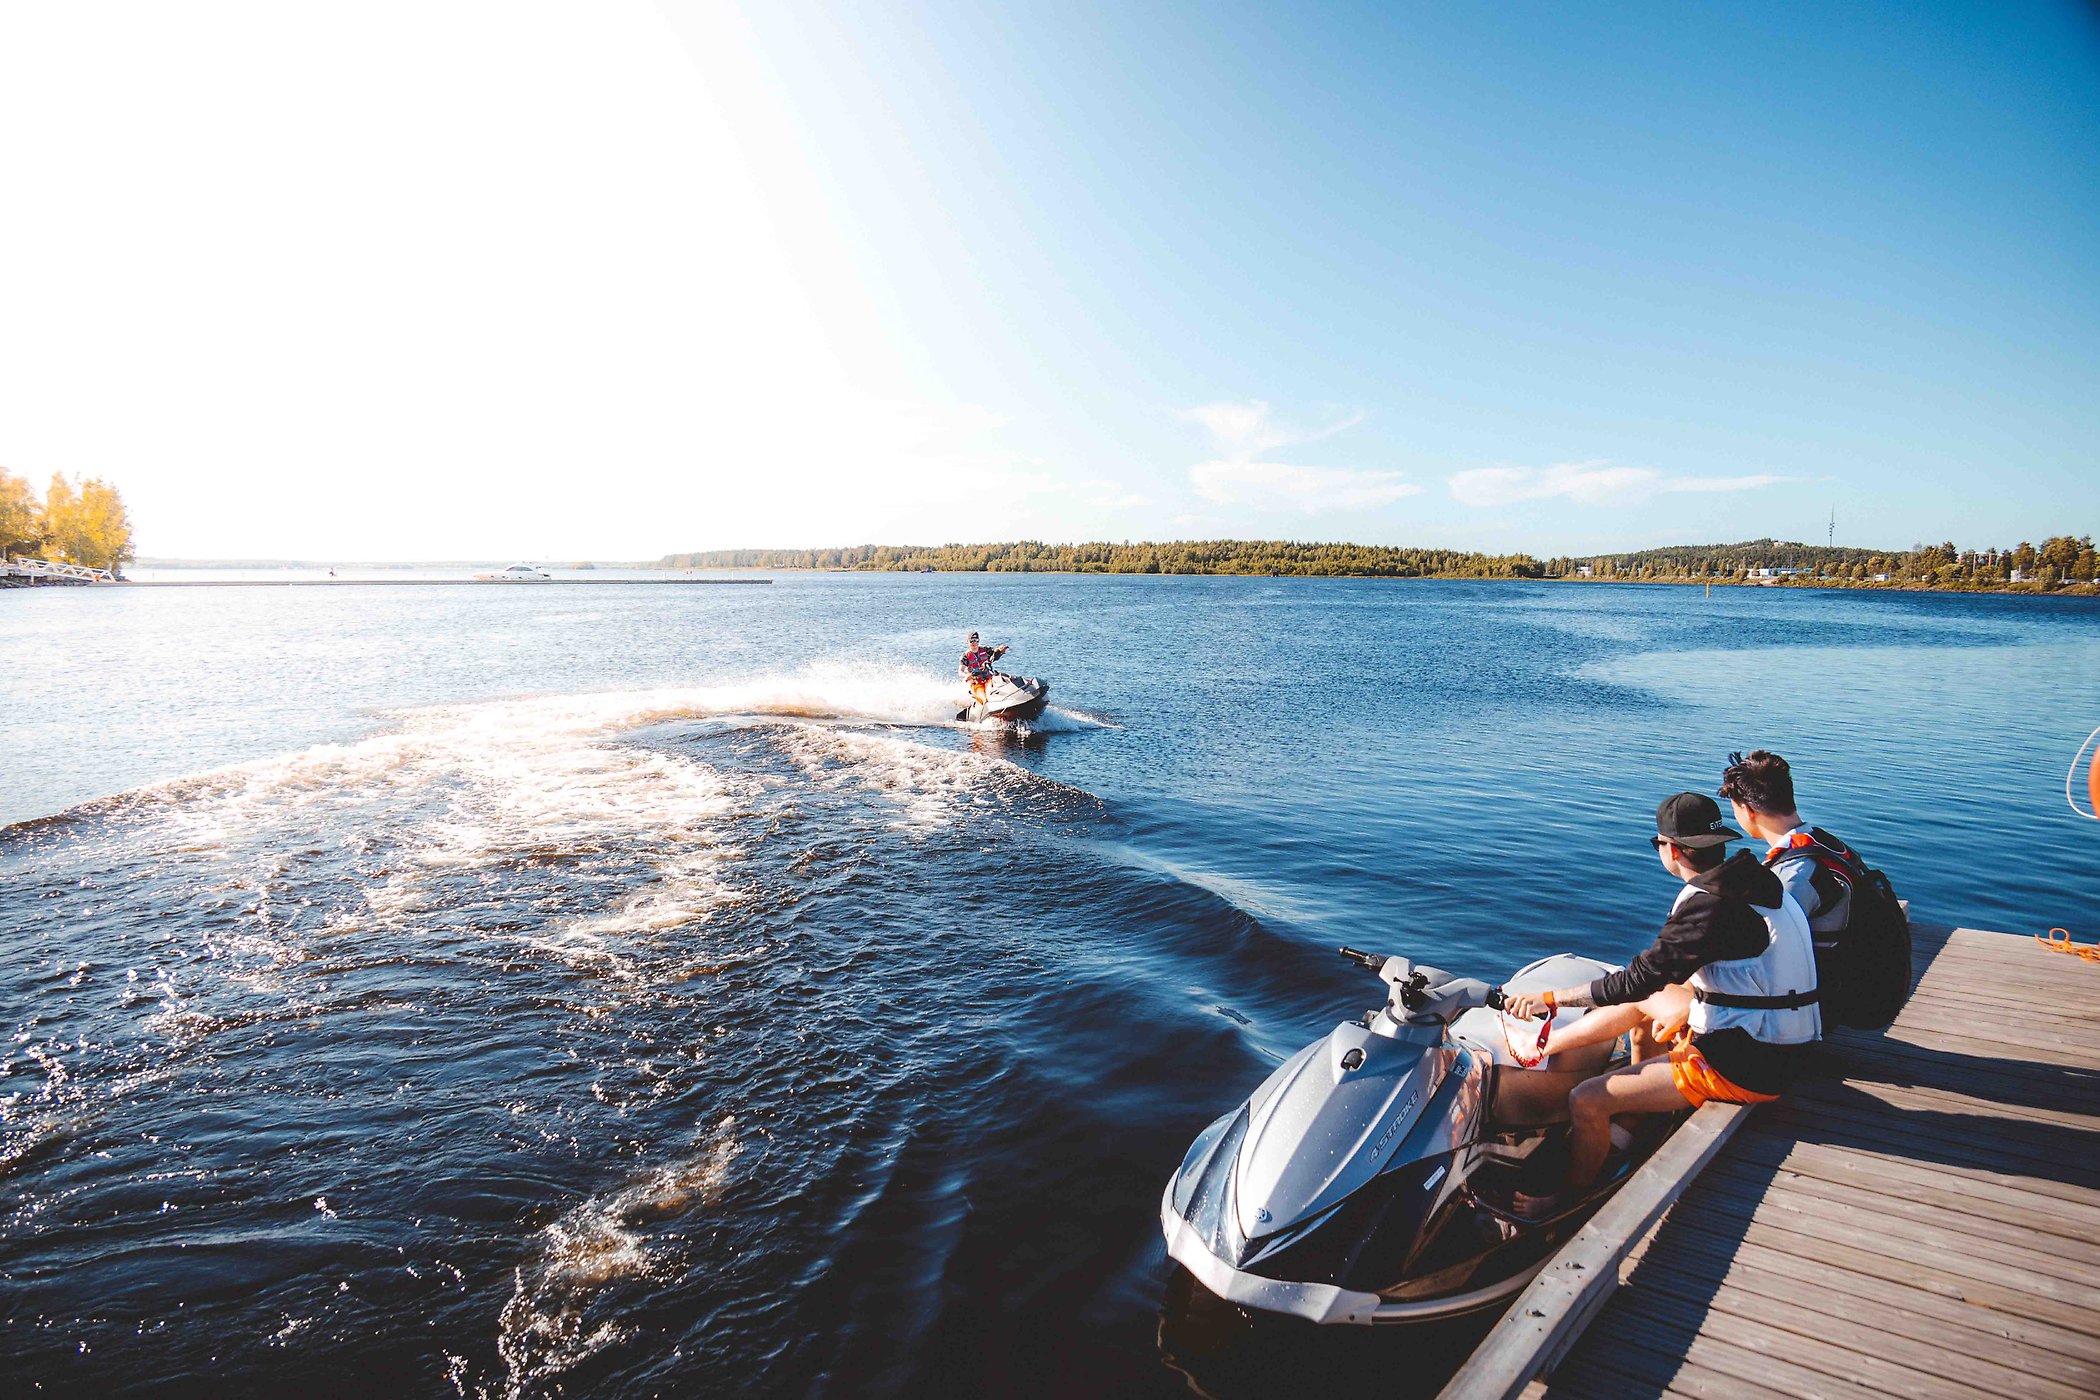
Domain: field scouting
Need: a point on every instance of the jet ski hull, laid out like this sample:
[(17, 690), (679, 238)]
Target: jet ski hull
[(1368, 1179), (1008, 699)]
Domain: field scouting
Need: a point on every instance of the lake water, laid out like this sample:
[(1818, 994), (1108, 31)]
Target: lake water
[(629, 991)]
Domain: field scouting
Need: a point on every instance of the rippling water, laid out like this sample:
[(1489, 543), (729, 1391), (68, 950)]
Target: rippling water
[(630, 991)]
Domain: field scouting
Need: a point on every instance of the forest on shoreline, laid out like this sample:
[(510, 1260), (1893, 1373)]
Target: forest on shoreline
[(2059, 563)]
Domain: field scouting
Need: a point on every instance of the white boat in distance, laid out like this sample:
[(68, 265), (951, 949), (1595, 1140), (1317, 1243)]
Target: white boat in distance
[(517, 573)]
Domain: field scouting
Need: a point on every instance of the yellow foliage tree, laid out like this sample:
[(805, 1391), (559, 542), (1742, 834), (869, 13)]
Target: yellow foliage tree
[(21, 517), (87, 523)]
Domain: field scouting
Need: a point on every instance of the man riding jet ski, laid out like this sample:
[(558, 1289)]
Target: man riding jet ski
[(1377, 1175), (994, 694)]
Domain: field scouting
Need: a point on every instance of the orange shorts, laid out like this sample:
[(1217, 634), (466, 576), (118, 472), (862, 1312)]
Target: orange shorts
[(1699, 1081)]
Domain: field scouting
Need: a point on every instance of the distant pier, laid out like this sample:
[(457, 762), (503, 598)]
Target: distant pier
[(38, 573), (1923, 1220)]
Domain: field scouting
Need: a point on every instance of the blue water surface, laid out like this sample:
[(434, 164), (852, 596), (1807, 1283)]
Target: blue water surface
[(634, 990)]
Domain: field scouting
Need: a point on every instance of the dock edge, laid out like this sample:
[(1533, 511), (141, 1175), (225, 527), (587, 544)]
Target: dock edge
[(1549, 1316)]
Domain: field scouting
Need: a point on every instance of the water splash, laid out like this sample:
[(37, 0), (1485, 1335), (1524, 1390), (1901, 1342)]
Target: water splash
[(555, 1318)]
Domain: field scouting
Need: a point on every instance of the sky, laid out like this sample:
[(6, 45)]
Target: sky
[(444, 280)]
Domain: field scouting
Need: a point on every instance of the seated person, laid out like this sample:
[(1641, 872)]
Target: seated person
[(1816, 868), (976, 665), (1742, 945)]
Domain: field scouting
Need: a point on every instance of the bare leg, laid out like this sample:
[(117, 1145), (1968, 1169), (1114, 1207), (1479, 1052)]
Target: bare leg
[(1642, 1088), (1600, 1026), (1532, 1098)]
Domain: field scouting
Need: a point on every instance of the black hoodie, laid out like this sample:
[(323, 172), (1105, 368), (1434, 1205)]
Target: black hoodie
[(1717, 922)]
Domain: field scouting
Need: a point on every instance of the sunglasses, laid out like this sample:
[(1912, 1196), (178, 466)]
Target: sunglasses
[(1658, 842)]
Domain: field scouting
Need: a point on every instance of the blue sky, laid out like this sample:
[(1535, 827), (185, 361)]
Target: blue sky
[(1553, 278)]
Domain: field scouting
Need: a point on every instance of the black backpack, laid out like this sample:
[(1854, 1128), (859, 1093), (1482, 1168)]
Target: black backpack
[(1862, 966)]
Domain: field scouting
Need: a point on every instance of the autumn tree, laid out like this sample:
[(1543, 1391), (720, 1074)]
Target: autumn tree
[(21, 517), (87, 523)]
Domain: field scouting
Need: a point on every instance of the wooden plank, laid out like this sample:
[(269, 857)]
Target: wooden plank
[(1930, 1034), (1985, 1049), (1996, 986), (2080, 1204), (2051, 1039), (2016, 1081), (1820, 1123), (2074, 1319), (2006, 1004), (1960, 1369), (1553, 1309), (1956, 1212), (1835, 1123), (1910, 1242), (2006, 1020), (1631, 1365), (2053, 1128), (2016, 951), (2006, 1338), (1726, 1354), (1840, 1117), (1613, 1378), (2060, 1213), (1991, 978), (1955, 1101), (1998, 975), (1988, 978)]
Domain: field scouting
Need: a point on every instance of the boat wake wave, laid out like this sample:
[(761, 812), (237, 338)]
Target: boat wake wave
[(604, 837)]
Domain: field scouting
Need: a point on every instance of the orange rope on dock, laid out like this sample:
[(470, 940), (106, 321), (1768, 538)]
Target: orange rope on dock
[(2065, 945)]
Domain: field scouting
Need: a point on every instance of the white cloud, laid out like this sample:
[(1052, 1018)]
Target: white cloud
[(1245, 432), (1720, 483), (1585, 483), (1107, 495), (1309, 489)]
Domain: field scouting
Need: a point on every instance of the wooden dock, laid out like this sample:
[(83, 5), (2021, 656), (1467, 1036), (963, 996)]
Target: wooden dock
[(1923, 1220), (33, 573)]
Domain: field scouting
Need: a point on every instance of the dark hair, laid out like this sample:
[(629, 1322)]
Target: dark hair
[(1700, 858), (1760, 781)]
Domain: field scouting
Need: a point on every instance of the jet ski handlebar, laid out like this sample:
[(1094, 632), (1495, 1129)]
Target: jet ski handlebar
[(1425, 989)]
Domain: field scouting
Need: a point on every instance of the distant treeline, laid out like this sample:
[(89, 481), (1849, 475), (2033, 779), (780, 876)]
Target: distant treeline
[(2058, 560), (1173, 557), (77, 522)]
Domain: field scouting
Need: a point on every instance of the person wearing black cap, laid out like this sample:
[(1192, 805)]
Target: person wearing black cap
[(1742, 945), (976, 665)]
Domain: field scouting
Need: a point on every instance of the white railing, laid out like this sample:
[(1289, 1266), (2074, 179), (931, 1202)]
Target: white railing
[(52, 569)]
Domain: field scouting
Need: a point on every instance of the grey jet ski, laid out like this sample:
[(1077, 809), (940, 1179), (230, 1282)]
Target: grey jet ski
[(1375, 1175), (1008, 698)]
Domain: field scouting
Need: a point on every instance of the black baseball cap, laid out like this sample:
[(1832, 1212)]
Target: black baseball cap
[(1692, 819)]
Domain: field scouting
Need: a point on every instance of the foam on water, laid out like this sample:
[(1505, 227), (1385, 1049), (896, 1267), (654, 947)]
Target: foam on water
[(543, 780), (552, 1321)]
